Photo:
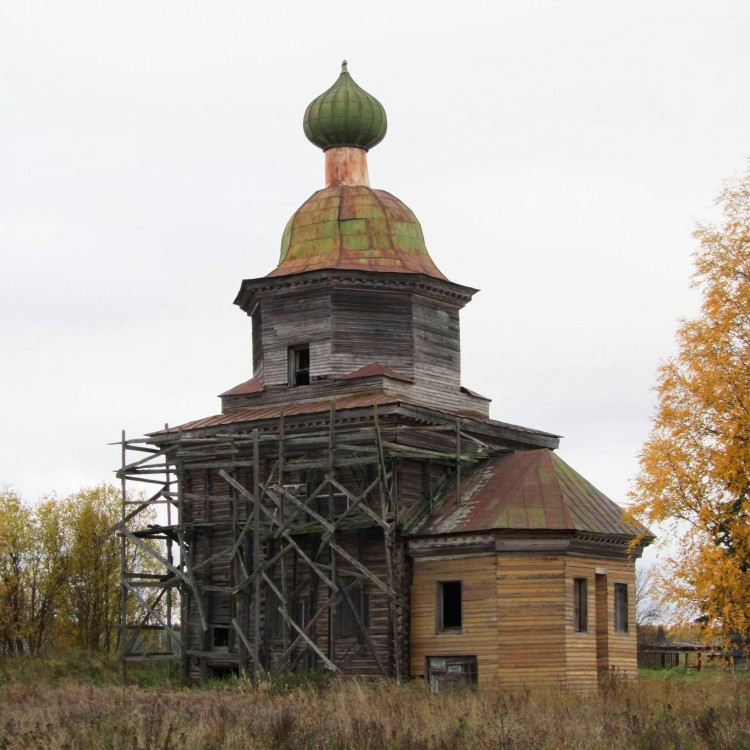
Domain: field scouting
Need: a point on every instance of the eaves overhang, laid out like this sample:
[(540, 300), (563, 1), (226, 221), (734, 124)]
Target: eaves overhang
[(545, 541), (245, 419), (419, 283)]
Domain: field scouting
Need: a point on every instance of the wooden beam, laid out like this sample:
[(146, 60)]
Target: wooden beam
[(137, 595), (362, 569)]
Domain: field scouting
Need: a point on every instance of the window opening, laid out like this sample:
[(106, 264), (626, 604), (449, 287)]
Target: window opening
[(299, 365), (224, 673), (220, 636), (451, 670), (621, 607), (449, 610), (580, 605)]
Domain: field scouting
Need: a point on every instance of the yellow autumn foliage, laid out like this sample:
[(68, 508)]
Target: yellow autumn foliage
[(695, 466), (60, 570)]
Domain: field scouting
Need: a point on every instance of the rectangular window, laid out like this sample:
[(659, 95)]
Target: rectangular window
[(299, 365), (220, 636), (449, 607), (621, 608), (580, 605), (300, 612), (450, 671)]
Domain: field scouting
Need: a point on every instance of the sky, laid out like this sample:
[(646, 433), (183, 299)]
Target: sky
[(557, 153)]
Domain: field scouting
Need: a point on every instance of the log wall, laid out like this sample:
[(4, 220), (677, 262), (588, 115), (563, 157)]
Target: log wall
[(581, 647), (622, 646), (437, 344), (519, 617), (301, 318), (371, 326), (531, 614), (479, 632)]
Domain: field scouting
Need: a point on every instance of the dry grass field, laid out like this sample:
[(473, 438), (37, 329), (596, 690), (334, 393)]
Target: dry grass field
[(77, 704)]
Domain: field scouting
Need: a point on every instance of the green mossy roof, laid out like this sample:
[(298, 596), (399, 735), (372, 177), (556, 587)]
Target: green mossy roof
[(345, 115), (354, 227)]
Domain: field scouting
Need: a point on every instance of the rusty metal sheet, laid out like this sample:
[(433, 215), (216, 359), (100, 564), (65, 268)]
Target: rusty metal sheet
[(249, 386), (354, 227), (528, 490), (275, 411), (376, 369)]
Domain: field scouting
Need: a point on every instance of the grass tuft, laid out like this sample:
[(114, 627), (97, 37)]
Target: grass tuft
[(78, 703)]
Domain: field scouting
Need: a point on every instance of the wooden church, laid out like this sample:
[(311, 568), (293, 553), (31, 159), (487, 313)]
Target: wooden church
[(353, 507)]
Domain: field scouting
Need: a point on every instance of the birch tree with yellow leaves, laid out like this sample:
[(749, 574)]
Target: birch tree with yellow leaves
[(60, 571), (694, 475)]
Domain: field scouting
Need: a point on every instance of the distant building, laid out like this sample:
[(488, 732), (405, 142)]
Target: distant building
[(353, 506)]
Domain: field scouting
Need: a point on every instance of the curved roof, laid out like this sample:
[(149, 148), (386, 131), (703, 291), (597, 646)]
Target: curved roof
[(529, 490), (357, 228), (345, 115)]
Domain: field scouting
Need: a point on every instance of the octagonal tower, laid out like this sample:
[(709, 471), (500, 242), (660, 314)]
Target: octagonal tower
[(356, 301)]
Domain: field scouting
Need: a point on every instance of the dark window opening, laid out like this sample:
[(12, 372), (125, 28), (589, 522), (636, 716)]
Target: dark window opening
[(220, 637), (450, 615), (580, 605), (299, 365), (224, 673), (621, 608), (300, 612)]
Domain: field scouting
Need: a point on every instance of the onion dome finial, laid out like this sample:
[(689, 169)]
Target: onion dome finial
[(345, 115)]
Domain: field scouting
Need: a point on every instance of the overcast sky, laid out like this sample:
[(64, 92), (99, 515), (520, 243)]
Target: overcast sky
[(558, 155)]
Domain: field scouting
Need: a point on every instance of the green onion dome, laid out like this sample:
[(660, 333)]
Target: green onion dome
[(345, 115)]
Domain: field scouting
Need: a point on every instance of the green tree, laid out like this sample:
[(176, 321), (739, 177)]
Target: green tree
[(695, 466)]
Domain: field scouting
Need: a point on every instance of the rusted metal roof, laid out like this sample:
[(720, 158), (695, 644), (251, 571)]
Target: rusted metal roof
[(275, 411), (357, 228), (464, 389), (249, 386), (528, 490), (376, 369)]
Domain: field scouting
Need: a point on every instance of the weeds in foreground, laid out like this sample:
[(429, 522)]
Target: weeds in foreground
[(650, 713)]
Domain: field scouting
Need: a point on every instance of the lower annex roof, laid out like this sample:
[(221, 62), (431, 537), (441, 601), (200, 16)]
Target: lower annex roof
[(529, 490)]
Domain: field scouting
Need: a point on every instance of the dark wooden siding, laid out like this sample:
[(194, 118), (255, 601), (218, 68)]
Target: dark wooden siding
[(371, 326), (437, 346), (258, 344)]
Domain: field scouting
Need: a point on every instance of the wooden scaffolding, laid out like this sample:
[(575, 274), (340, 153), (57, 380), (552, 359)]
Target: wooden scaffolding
[(287, 547)]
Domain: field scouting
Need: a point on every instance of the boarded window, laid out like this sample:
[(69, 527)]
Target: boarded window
[(449, 607), (299, 365), (621, 608), (580, 605), (451, 670)]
